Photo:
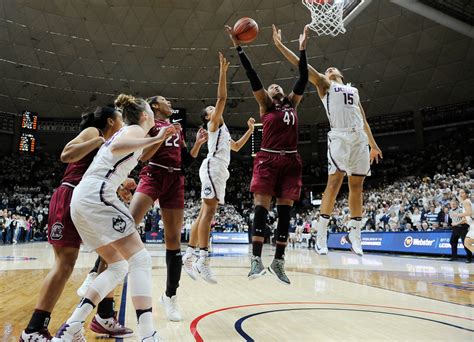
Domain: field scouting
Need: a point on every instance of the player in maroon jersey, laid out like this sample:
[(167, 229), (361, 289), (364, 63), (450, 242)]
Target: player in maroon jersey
[(277, 167), (96, 127), (162, 179)]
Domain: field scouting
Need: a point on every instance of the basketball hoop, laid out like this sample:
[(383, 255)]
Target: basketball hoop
[(326, 16)]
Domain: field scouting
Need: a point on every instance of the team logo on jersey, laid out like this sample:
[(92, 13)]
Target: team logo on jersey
[(118, 224), (207, 190), (57, 231)]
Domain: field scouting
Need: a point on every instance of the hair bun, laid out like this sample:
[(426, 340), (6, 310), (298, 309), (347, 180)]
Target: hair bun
[(124, 100)]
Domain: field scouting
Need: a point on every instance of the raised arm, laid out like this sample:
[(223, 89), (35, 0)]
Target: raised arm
[(79, 147), (216, 116), (375, 152), (133, 140), (237, 145), (300, 85), (259, 92), (316, 78)]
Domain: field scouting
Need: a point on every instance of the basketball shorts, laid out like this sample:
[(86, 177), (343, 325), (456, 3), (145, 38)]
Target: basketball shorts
[(214, 175), (348, 152), (470, 233), (99, 216), (277, 175), (162, 185), (61, 229)]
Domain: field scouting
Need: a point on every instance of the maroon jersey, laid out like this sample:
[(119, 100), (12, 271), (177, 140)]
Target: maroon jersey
[(280, 127), (76, 170), (169, 153)]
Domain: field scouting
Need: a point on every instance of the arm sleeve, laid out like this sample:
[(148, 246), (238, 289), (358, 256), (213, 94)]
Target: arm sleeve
[(249, 70), (302, 81)]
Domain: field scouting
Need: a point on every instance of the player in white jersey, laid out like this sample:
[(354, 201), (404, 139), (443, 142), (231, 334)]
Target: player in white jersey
[(466, 228), (106, 225), (348, 151), (213, 174)]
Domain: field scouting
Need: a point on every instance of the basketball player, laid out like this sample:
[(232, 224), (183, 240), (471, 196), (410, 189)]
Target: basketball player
[(96, 127), (213, 174), (106, 225), (462, 226), (348, 151), (277, 167), (163, 179)]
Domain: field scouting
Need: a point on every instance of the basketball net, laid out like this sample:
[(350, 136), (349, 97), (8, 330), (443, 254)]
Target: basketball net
[(326, 16)]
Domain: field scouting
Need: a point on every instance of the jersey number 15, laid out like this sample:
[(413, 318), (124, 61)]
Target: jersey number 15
[(348, 98)]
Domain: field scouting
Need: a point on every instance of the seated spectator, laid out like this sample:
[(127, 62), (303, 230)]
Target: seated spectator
[(444, 220)]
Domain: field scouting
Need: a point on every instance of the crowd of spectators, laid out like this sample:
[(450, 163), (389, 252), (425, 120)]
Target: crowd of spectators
[(408, 191)]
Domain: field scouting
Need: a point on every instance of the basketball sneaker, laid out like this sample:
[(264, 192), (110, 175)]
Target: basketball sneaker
[(201, 266), (188, 265), (277, 268), (321, 245), (37, 336), (153, 338), (355, 241), (171, 308), (70, 332), (81, 291), (110, 327), (256, 268)]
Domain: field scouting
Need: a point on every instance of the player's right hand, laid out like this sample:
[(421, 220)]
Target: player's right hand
[(251, 123), (276, 35), (232, 36)]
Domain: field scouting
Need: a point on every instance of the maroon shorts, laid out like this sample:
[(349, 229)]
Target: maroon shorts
[(162, 185), (61, 230), (277, 175)]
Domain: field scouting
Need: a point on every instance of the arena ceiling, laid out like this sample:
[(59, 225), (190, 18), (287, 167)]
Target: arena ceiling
[(60, 57)]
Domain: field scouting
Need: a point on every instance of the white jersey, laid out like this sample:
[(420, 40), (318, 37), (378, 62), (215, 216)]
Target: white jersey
[(342, 106), (112, 168), (218, 144), (468, 218)]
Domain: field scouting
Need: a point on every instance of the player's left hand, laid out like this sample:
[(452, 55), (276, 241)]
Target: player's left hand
[(304, 38), (375, 154), (129, 184), (251, 123), (201, 136), (124, 194)]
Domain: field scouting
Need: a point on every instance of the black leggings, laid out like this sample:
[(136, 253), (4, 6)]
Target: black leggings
[(459, 231)]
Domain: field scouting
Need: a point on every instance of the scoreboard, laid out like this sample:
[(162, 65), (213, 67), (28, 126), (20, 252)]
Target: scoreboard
[(28, 129)]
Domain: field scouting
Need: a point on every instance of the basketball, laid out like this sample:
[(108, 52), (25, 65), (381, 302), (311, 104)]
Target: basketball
[(246, 30)]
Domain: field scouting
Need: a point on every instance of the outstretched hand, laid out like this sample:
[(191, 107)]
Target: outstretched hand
[(232, 36), (223, 62), (251, 123), (304, 38), (276, 35), (201, 136)]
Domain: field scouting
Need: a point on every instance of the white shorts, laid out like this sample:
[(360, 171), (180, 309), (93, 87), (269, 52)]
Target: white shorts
[(470, 232), (214, 175), (348, 152), (99, 216)]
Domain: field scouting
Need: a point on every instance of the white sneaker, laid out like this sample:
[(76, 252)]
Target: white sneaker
[(202, 267), (355, 240), (81, 291), (171, 308), (188, 265), (153, 338), (321, 245), (38, 336), (70, 332)]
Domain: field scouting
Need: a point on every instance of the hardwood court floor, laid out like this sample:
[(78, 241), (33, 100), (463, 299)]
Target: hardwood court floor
[(335, 297)]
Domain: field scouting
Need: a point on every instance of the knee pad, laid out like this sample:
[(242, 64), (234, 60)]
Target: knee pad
[(283, 225), (140, 274), (260, 221), (110, 278)]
